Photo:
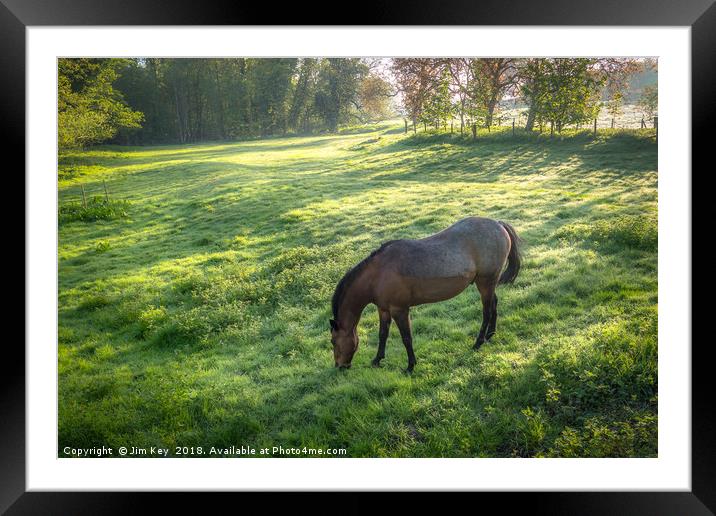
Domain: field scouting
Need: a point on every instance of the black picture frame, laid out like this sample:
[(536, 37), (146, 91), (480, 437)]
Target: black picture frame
[(700, 15)]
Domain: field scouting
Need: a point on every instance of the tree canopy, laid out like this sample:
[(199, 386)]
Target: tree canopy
[(89, 108)]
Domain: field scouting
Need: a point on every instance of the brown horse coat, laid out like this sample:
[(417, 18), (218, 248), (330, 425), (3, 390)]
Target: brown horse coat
[(405, 273)]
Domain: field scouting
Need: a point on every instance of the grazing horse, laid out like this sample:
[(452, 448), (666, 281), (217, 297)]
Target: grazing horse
[(405, 273)]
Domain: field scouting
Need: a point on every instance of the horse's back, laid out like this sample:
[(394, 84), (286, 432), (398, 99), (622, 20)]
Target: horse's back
[(470, 246)]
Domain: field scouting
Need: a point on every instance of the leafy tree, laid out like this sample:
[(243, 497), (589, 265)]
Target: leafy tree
[(649, 101), (415, 79), (299, 115), (339, 80), (439, 107), (614, 104), (270, 86), (89, 108), (561, 91), (491, 79), (373, 97)]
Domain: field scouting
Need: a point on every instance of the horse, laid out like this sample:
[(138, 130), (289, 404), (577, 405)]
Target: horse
[(405, 273)]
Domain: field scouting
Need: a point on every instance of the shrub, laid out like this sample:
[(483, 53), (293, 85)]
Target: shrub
[(598, 438)]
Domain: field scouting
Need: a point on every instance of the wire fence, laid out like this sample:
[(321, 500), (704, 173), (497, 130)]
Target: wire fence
[(83, 194), (629, 116)]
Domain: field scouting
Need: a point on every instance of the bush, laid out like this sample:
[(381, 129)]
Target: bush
[(98, 208)]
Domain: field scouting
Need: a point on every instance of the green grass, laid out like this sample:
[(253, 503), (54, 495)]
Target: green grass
[(201, 317)]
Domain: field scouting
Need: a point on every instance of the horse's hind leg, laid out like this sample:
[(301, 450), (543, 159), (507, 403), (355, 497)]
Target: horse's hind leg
[(402, 319), (384, 316), (492, 327), (487, 294)]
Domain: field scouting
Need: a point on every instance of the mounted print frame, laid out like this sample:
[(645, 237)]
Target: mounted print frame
[(21, 490)]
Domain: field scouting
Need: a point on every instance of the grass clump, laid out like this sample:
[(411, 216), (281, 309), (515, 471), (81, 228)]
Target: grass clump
[(640, 232), (98, 208)]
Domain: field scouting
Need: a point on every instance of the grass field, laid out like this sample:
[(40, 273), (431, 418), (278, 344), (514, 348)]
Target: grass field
[(195, 312)]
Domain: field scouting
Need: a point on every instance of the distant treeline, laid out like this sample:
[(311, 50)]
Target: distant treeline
[(188, 100), (178, 100)]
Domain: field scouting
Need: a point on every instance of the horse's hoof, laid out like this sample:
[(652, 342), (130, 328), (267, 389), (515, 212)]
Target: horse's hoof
[(477, 346), (408, 371), (489, 336), (375, 363)]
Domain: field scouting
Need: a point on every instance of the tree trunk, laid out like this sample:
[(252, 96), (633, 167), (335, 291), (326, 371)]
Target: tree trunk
[(530, 119), (490, 111), (180, 119)]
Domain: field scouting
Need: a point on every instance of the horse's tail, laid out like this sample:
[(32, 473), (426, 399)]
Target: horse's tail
[(514, 259)]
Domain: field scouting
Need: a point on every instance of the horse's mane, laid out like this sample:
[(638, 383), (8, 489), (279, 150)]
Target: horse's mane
[(349, 277)]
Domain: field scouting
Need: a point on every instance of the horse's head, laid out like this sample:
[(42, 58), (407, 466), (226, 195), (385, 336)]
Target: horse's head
[(345, 344)]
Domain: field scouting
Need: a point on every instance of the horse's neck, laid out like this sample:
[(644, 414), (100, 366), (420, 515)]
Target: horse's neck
[(357, 297)]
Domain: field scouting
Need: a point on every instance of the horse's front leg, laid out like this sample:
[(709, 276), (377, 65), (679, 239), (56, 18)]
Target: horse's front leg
[(402, 319), (384, 316)]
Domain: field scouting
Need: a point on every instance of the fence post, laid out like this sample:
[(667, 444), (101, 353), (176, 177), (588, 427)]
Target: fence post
[(106, 193), (513, 126), (656, 122), (406, 125), (474, 131), (84, 197), (595, 127), (643, 125), (612, 122)]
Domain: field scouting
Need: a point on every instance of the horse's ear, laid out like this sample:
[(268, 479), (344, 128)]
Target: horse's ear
[(333, 323)]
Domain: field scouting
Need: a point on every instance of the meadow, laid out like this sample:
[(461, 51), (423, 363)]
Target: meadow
[(194, 307)]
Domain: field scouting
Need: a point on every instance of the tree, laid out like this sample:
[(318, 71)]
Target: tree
[(373, 97), (299, 115), (89, 108), (339, 80), (649, 101), (439, 108), (614, 105), (615, 73), (415, 79), (270, 87), (491, 79), (560, 91), (461, 78)]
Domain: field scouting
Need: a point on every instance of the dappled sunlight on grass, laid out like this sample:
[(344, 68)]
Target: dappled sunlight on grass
[(201, 317)]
